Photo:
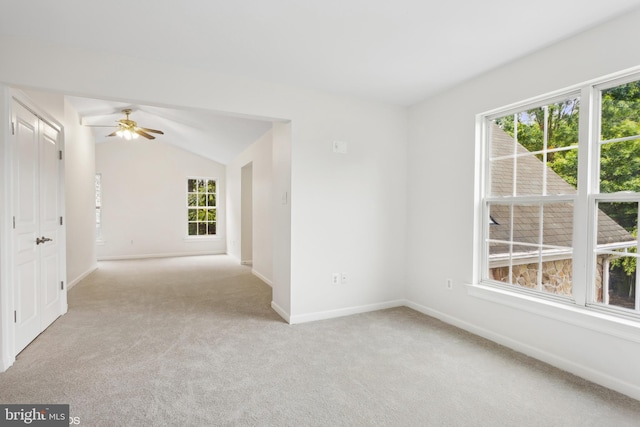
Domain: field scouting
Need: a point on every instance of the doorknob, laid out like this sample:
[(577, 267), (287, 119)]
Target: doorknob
[(42, 240)]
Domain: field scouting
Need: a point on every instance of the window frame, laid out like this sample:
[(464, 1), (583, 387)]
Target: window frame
[(585, 215), (542, 199), (215, 208)]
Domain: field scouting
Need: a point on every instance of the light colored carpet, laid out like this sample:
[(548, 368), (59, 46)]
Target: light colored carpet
[(193, 342)]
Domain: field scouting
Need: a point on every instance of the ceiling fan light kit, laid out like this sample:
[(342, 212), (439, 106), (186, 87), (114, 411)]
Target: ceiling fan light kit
[(128, 129), (126, 134)]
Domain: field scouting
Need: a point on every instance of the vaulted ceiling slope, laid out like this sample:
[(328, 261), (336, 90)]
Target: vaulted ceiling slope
[(211, 135), (398, 52)]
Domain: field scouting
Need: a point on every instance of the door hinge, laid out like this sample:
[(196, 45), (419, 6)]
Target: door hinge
[(14, 222), (60, 220), (60, 154), (15, 316), (62, 286), (13, 128)]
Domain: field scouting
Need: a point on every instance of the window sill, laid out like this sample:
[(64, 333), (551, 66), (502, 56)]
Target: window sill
[(195, 239), (571, 314)]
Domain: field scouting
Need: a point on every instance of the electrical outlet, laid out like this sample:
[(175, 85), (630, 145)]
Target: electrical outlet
[(343, 278), (335, 279), (449, 284)]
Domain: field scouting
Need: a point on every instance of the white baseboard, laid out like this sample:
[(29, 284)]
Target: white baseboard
[(160, 255), (75, 281), (262, 277), (587, 373), (282, 313), (347, 311)]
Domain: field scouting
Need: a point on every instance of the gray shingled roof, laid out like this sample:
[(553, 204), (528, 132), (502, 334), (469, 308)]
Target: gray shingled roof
[(558, 217)]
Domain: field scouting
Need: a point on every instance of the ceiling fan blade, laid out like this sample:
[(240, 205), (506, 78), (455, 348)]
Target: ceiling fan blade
[(113, 133), (143, 133), (152, 130), (101, 126)]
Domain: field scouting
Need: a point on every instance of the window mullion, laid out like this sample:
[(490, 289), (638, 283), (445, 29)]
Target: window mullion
[(540, 242), (583, 216), (514, 193), (545, 158)]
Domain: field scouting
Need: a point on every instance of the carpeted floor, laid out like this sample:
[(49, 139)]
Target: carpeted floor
[(193, 342)]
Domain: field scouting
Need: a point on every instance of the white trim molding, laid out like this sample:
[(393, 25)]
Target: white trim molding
[(262, 277), (571, 314), (78, 279), (160, 255), (347, 311), (281, 312)]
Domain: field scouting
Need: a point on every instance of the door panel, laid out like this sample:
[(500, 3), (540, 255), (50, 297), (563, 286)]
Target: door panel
[(49, 163), (49, 224), (26, 296), (26, 170), (50, 289), (25, 199)]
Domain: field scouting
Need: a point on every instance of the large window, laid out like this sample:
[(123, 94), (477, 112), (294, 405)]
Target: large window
[(201, 206), (561, 189)]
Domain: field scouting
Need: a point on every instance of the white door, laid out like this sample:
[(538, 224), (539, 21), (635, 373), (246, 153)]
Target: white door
[(36, 251)]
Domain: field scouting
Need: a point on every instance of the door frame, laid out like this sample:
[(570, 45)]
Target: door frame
[(7, 335)]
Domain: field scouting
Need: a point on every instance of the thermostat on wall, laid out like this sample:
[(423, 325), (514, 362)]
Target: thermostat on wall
[(340, 147)]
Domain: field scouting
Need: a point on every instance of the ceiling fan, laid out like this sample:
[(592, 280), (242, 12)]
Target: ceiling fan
[(128, 129)]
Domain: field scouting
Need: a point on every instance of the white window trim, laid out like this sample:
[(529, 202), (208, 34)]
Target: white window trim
[(594, 320), (575, 310), (202, 237)]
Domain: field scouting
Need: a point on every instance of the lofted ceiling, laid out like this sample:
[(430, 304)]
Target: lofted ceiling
[(211, 135), (398, 52)]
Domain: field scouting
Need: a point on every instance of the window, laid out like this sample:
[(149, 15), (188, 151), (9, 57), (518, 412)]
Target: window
[(201, 206), (617, 193), (562, 189), (98, 184)]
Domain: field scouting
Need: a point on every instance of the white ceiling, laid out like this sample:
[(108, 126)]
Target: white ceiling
[(394, 51)]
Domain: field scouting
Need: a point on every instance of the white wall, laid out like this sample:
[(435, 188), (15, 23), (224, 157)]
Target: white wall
[(441, 210), (282, 229), (79, 197), (259, 155), (144, 190), (347, 212), (52, 103)]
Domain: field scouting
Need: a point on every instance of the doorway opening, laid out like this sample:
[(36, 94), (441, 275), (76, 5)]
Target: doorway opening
[(246, 214)]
